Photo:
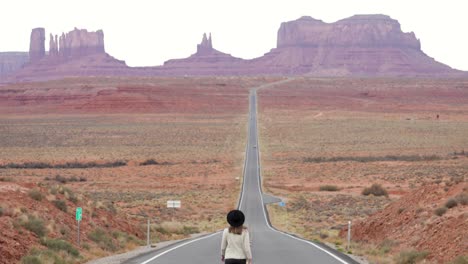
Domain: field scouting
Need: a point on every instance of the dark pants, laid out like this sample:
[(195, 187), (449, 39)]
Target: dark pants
[(235, 261)]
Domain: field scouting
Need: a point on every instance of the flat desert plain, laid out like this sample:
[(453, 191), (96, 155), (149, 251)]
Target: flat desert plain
[(323, 141), (127, 145)]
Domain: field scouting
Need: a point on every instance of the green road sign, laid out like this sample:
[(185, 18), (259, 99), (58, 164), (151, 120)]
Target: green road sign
[(78, 214)]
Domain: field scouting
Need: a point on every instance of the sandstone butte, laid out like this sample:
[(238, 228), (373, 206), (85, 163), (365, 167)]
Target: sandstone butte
[(362, 45)]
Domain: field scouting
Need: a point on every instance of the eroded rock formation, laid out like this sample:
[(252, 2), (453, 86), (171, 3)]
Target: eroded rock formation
[(368, 45), (37, 45), (77, 43), (75, 53), (206, 46), (359, 30), (362, 45), (206, 61), (53, 46)]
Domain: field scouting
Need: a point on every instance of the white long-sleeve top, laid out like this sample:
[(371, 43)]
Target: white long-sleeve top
[(235, 246)]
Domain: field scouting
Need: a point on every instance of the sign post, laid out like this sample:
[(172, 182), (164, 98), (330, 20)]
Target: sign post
[(78, 219), (148, 234), (349, 235)]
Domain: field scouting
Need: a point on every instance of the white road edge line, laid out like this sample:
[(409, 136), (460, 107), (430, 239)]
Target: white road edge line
[(263, 204), (240, 203), (246, 149), (174, 248)]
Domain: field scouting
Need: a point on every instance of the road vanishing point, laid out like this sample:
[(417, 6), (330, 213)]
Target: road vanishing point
[(269, 246)]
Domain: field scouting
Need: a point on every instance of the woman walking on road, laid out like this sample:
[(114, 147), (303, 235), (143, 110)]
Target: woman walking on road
[(235, 244)]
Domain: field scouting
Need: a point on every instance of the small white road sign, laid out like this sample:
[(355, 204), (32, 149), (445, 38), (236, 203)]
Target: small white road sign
[(173, 204)]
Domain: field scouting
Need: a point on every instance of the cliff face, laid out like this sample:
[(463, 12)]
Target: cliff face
[(367, 45), (372, 31), (77, 43), (37, 45)]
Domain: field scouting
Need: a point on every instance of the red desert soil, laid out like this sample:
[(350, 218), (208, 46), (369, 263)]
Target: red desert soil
[(411, 222), (324, 140), (19, 209), (193, 130)]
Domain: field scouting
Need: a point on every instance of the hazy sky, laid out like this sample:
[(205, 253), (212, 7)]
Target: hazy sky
[(148, 32)]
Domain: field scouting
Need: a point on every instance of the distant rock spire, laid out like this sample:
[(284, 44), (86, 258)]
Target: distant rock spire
[(53, 46), (206, 46)]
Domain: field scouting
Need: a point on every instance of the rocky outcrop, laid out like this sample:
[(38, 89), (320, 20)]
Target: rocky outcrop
[(357, 31), (53, 46), (76, 43), (206, 46), (37, 45), (362, 45), (12, 61), (367, 45), (75, 53), (206, 61), (79, 43)]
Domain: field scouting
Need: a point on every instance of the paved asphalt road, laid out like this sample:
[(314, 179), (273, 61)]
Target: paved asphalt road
[(269, 246)]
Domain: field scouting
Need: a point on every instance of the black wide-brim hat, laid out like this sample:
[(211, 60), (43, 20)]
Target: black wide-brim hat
[(235, 218)]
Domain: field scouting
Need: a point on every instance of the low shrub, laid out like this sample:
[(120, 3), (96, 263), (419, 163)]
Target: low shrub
[(328, 188), (411, 257), (61, 179), (61, 205), (462, 198), (451, 203), (162, 230), (35, 225), (68, 165), (60, 245), (124, 239), (31, 260), (440, 211), (73, 199), (460, 260), (6, 179), (27, 165), (45, 256), (1, 211), (461, 153), (187, 230), (35, 194), (113, 164), (387, 245), (103, 239), (149, 162), (408, 158), (376, 190)]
